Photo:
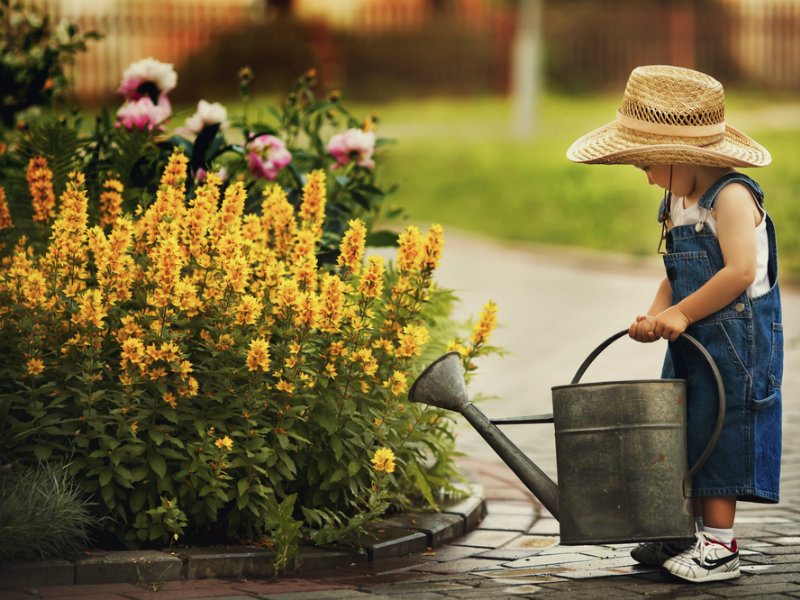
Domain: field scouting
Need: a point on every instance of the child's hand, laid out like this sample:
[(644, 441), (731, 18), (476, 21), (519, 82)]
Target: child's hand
[(670, 323), (641, 329)]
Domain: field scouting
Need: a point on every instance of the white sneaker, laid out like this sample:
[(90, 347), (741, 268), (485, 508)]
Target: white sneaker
[(653, 554), (708, 560)]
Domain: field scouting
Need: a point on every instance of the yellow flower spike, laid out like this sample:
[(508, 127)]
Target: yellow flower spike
[(278, 219), (351, 248), (312, 208), (397, 383), (411, 249), (371, 285), (35, 366), (411, 339), (248, 310), (305, 271), (434, 243), (91, 310), (175, 172), (383, 460), (307, 313), (258, 355), (5, 214), (285, 386), (169, 398), (288, 298), (132, 352), (456, 346), (483, 328), (233, 205), (65, 262), (331, 303), (110, 201), (40, 186), (224, 442)]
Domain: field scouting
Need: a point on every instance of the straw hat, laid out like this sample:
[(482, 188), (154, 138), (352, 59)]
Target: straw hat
[(670, 115)]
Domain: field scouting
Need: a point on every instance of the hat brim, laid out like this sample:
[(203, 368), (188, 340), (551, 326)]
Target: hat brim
[(611, 145)]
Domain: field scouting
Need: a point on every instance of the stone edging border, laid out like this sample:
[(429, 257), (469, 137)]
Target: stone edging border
[(401, 534)]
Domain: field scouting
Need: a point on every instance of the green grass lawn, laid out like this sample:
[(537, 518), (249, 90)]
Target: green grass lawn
[(457, 163)]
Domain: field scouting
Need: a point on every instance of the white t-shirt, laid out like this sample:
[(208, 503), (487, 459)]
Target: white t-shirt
[(680, 215)]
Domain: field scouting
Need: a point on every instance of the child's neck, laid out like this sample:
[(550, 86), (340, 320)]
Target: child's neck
[(704, 178)]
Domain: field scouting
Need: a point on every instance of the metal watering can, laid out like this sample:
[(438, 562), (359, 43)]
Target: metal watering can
[(620, 450)]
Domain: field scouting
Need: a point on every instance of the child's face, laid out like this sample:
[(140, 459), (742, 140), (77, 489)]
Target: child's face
[(682, 177)]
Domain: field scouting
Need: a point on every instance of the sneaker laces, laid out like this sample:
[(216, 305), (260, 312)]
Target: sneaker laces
[(703, 545)]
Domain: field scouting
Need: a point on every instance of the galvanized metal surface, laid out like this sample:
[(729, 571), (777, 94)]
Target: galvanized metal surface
[(442, 384), (620, 447), (621, 457)]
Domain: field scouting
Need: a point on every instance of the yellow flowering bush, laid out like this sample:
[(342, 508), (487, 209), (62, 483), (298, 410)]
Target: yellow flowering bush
[(207, 378)]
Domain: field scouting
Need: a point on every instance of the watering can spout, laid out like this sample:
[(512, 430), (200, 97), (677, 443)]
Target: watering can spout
[(442, 385)]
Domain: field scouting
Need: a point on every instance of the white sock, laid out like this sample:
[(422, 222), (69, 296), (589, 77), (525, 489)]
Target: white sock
[(698, 523), (723, 535)]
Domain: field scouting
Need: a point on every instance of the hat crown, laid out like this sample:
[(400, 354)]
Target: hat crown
[(668, 95)]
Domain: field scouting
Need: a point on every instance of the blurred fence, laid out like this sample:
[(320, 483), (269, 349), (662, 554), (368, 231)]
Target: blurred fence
[(412, 47), (746, 42), (169, 30)]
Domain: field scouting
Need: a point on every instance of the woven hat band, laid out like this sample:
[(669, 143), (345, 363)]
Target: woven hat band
[(715, 129)]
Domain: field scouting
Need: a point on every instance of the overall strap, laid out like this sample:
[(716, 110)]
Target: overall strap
[(709, 198)]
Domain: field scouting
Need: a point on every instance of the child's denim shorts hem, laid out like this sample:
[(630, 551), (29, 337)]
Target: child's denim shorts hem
[(742, 494)]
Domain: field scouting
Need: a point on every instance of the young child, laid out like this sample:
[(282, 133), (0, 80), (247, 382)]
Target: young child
[(720, 287)]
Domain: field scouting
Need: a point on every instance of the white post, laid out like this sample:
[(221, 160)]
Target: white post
[(525, 79)]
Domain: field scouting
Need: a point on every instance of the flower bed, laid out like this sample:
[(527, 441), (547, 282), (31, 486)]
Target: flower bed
[(193, 325)]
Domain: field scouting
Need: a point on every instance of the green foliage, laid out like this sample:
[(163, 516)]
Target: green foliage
[(136, 157), (210, 383), (189, 320), (43, 513), (34, 56)]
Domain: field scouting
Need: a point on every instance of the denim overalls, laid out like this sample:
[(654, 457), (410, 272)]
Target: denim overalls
[(746, 341)]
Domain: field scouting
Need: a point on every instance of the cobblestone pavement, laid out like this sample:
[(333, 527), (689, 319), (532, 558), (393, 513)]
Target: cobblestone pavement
[(554, 308)]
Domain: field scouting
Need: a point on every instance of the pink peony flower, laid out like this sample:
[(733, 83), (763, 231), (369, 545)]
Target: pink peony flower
[(267, 155), (353, 145), (207, 114), (148, 78), (142, 114)]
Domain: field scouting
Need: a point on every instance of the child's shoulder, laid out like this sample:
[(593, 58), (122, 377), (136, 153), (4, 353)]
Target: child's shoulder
[(735, 187), (738, 198)]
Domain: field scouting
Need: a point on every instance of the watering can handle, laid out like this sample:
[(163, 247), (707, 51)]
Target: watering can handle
[(720, 392)]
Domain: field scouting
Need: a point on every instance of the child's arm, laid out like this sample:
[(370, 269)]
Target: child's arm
[(640, 329), (736, 217)]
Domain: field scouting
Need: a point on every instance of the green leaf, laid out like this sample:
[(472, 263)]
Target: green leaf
[(138, 473), (418, 477), (158, 464), (338, 475), (107, 493), (42, 452), (156, 435), (382, 238), (105, 477), (123, 476), (337, 447), (137, 498)]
